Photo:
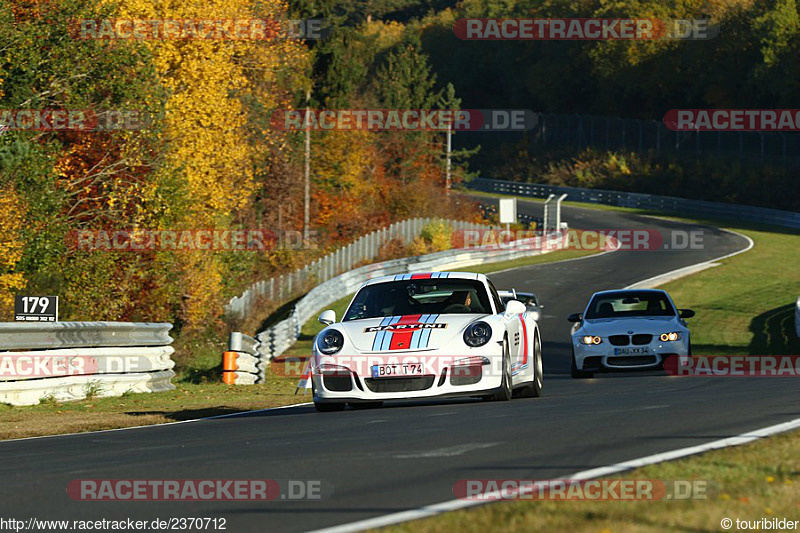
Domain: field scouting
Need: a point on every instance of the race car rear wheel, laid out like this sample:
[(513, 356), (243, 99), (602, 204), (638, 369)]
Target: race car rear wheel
[(505, 392), (578, 374), (534, 389)]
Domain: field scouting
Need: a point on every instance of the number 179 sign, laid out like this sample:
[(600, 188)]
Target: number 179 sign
[(36, 308)]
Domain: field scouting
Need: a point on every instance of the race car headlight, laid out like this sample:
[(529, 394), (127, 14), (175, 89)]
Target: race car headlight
[(673, 336), (591, 339), (477, 334), (330, 342)]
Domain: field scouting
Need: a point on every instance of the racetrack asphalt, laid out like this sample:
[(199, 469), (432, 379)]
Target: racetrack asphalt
[(410, 454)]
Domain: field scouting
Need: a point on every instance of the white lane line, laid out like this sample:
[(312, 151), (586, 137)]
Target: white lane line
[(452, 451), (229, 415), (672, 275), (454, 505)]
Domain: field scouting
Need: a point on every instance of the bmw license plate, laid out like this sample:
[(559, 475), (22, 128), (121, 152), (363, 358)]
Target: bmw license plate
[(397, 370), (632, 351)]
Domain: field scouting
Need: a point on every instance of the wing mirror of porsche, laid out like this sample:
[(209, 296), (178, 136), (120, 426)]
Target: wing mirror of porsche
[(685, 313), (575, 317), (328, 317), (515, 307)]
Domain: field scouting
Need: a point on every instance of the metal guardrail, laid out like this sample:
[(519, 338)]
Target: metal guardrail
[(31, 336), (72, 360), (776, 217), (243, 364)]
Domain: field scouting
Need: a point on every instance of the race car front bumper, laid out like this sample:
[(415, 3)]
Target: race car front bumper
[(607, 358), (340, 380)]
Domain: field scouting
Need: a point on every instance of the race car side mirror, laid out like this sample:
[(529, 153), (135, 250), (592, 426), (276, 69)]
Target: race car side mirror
[(515, 307), (685, 313), (575, 317), (328, 317)]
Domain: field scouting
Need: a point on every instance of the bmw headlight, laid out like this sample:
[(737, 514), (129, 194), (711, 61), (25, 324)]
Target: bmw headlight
[(591, 339), (330, 341), (673, 336), (477, 334)]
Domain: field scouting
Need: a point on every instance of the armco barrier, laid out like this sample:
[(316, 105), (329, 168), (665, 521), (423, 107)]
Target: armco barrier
[(273, 341), (31, 336), (649, 202), (72, 360), (241, 363)]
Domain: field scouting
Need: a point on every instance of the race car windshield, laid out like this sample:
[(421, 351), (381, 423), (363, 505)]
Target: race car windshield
[(419, 297), (627, 304)]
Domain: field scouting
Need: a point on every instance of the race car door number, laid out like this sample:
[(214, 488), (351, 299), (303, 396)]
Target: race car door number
[(397, 370)]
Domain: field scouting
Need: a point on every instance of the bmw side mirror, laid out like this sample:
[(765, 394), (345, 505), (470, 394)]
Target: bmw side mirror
[(575, 317), (685, 313), (328, 317)]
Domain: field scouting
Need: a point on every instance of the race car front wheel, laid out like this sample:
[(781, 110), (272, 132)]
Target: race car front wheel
[(578, 374), (328, 407)]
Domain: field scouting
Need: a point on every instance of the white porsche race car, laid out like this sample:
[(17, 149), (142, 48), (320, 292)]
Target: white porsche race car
[(628, 330), (426, 335)]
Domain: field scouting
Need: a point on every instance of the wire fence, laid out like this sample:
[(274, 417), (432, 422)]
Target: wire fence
[(281, 289), (653, 137)]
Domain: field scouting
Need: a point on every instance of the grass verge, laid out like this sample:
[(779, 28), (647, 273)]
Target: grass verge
[(188, 401)]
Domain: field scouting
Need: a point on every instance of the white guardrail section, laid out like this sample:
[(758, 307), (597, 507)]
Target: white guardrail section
[(249, 367), (72, 360), (366, 248), (273, 341)]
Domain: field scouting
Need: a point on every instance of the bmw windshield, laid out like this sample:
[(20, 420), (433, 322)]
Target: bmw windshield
[(629, 304)]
